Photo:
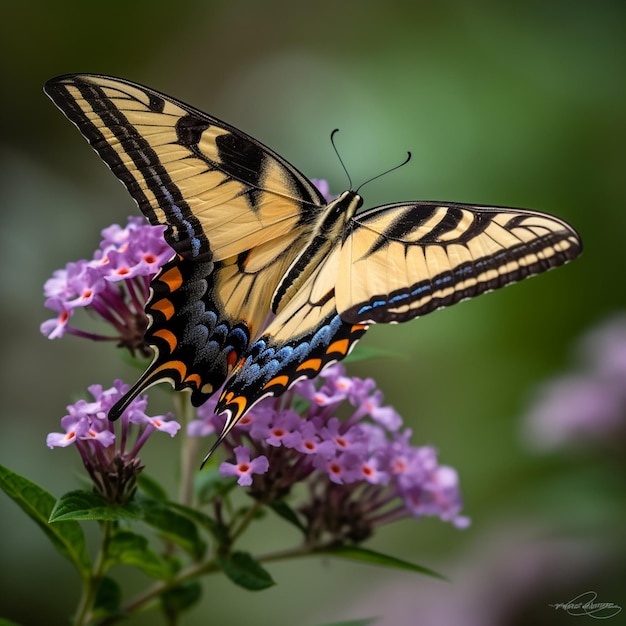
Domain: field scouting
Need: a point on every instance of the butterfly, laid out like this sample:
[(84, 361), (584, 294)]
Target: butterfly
[(269, 283)]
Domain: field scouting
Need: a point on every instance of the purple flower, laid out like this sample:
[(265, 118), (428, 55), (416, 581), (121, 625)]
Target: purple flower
[(110, 459), (307, 440), (79, 428), (274, 430), (384, 415), (589, 405), (340, 469), (348, 441), (114, 285), (244, 467)]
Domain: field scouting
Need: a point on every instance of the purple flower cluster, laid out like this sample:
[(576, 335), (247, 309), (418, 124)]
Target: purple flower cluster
[(361, 471), (114, 284), (587, 406), (111, 460)]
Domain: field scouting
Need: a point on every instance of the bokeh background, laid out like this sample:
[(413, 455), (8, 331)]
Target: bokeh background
[(520, 104)]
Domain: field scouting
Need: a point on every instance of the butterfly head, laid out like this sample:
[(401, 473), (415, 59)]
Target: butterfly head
[(348, 202)]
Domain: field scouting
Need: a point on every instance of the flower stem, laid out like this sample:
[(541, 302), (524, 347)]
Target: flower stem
[(91, 584), (189, 450), (245, 521)]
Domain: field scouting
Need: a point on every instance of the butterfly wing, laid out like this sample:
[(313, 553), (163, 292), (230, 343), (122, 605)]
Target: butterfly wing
[(238, 214), (403, 260), (220, 191), (307, 336)]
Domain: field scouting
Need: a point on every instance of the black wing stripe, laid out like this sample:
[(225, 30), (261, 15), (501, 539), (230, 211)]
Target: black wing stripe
[(188, 237), (399, 227), (451, 219), (436, 224)]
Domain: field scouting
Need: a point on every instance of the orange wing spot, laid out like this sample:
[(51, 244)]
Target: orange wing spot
[(195, 379), (241, 404), (311, 364), (179, 366), (172, 278), (165, 307), (167, 336), (231, 359), (357, 327), (282, 381), (227, 399), (340, 346)]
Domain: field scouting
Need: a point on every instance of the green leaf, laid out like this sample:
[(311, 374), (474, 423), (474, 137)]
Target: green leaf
[(300, 405), (364, 555), (128, 548), (68, 537), (181, 598), (151, 487), (172, 525), (89, 505), (245, 571), (287, 513)]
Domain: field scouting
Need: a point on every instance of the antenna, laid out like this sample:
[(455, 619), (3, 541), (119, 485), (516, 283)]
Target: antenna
[(369, 180), (345, 169)]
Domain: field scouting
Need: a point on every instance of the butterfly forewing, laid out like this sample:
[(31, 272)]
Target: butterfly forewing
[(220, 191), (405, 260)]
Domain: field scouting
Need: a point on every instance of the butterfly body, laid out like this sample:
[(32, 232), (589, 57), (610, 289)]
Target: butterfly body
[(329, 230), (269, 283)]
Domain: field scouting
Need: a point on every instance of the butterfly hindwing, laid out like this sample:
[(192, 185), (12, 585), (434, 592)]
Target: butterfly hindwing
[(194, 341), (307, 336), (404, 260)]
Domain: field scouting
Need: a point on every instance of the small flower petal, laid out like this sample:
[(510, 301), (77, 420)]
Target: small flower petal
[(244, 468)]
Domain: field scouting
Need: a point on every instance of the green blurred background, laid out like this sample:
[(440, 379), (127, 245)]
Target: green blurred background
[(520, 104)]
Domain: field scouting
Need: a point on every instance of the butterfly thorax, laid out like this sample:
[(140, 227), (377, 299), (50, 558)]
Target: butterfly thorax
[(326, 233)]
